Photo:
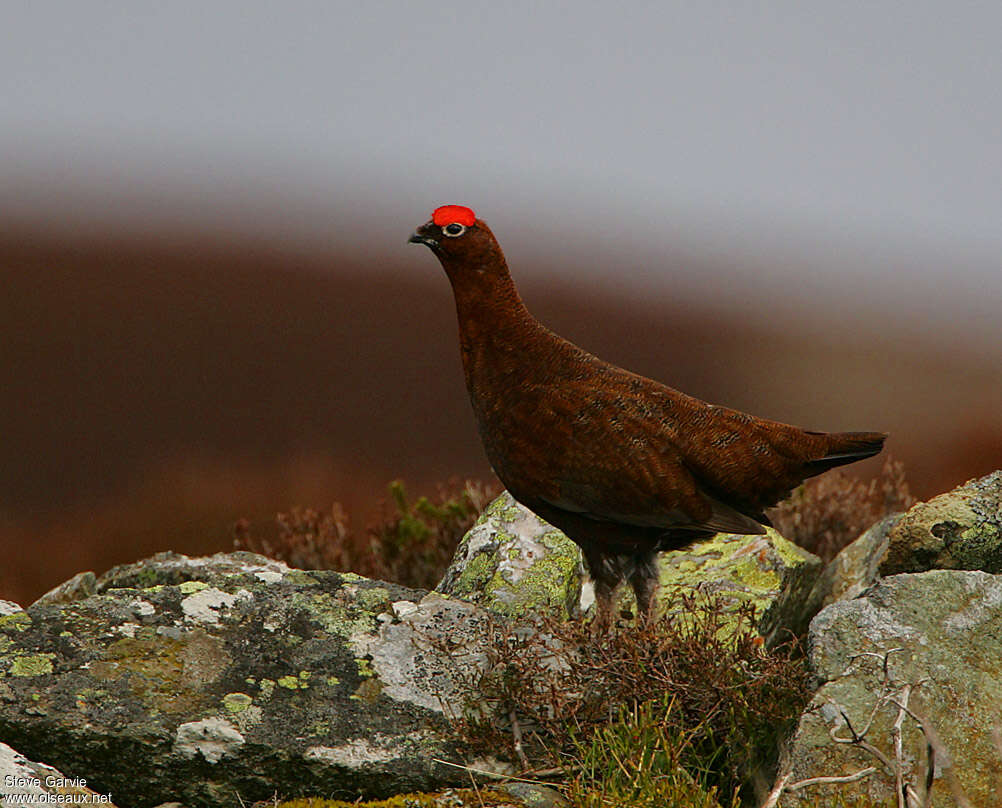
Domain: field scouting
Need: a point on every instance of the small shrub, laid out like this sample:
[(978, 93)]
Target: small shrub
[(555, 691), (410, 543), (638, 761), (828, 512)]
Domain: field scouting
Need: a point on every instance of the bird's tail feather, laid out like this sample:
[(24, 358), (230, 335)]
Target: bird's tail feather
[(847, 447)]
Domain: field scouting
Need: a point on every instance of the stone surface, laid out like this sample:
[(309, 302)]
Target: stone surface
[(20, 778), (940, 633), (961, 529), (81, 585), (768, 572), (852, 571), (234, 677), (512, 562), (9, 607)]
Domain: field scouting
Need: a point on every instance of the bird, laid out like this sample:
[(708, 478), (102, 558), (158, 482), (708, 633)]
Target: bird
[(625, 466)]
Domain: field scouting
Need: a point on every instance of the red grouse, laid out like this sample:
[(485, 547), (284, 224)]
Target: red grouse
[(625, 466)]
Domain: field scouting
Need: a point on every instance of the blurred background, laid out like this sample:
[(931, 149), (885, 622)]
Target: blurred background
[(208, 310)]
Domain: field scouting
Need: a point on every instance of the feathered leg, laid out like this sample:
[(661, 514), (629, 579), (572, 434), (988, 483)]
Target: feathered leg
[(643, 578), (607, 573)]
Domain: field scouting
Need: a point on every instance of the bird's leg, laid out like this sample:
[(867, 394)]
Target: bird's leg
[(606, 574), (644, 582), (604, 618)]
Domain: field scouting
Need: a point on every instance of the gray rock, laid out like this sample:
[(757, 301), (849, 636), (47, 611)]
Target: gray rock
[(514, 563), (22, 777), (768, 572), (933, 639), (853, 570), (9, 607), (534, 795), (961, 529), (234, 677), (82, 585)]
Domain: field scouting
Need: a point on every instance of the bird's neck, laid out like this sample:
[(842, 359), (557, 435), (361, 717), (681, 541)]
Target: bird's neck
[(494, 323)]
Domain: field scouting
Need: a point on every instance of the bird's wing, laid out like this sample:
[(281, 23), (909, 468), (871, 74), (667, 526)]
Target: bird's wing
[(703, 511)]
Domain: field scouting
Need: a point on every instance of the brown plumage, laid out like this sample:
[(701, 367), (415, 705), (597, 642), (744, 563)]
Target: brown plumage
[(625, 466)]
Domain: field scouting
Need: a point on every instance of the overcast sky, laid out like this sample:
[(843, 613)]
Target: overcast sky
[(861, 138)]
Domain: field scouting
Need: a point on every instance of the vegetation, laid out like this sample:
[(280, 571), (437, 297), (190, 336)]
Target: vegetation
[(687, 711), (410, 543), (828, 512), (684, 711)]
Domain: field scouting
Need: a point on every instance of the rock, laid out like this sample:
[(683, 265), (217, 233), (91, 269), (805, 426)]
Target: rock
[(768, 572), (9, 607), (852, 571), (514, 563), (940, 633), (20, 777), (234, 677), (535, 795), (81, 585), (961, 529)]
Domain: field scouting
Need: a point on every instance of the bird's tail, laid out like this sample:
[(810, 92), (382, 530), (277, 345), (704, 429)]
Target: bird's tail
[(847, 447)]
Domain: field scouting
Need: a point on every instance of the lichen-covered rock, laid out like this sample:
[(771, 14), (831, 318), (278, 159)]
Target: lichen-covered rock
[(853, 570), (931, 642), (215, 680), (514, 563), (81, 585), (961, 529), (504, 796), (9, 607), (25, 782), (769, 573)]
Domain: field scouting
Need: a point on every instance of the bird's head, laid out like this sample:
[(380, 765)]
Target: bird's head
[(455, 234)]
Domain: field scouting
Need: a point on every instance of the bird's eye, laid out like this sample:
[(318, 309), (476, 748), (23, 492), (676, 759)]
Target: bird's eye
[(454, 229)]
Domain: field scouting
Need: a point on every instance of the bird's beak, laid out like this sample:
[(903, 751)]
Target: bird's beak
[(417, 238), (421, 236)]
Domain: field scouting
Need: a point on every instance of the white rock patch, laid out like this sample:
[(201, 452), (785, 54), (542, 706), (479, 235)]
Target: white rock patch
[(213, 738), (203, 606)]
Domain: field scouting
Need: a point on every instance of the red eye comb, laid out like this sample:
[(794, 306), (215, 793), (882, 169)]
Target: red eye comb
[(447, 214)]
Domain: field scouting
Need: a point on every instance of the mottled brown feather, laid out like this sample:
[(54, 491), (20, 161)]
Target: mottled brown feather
[(624, 465)]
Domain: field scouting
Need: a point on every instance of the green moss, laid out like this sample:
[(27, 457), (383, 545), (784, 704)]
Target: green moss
[(475, 576), (290, 682), (333, 681), (301, 578), (368, 691), (147, 577), (236, 702), (459, 796), (163, 669), (90, 695), (336, 617), (19, 621), (749, 572), (545, 584), (503, 508), (32, 665), (374, 598), (790, 553)]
